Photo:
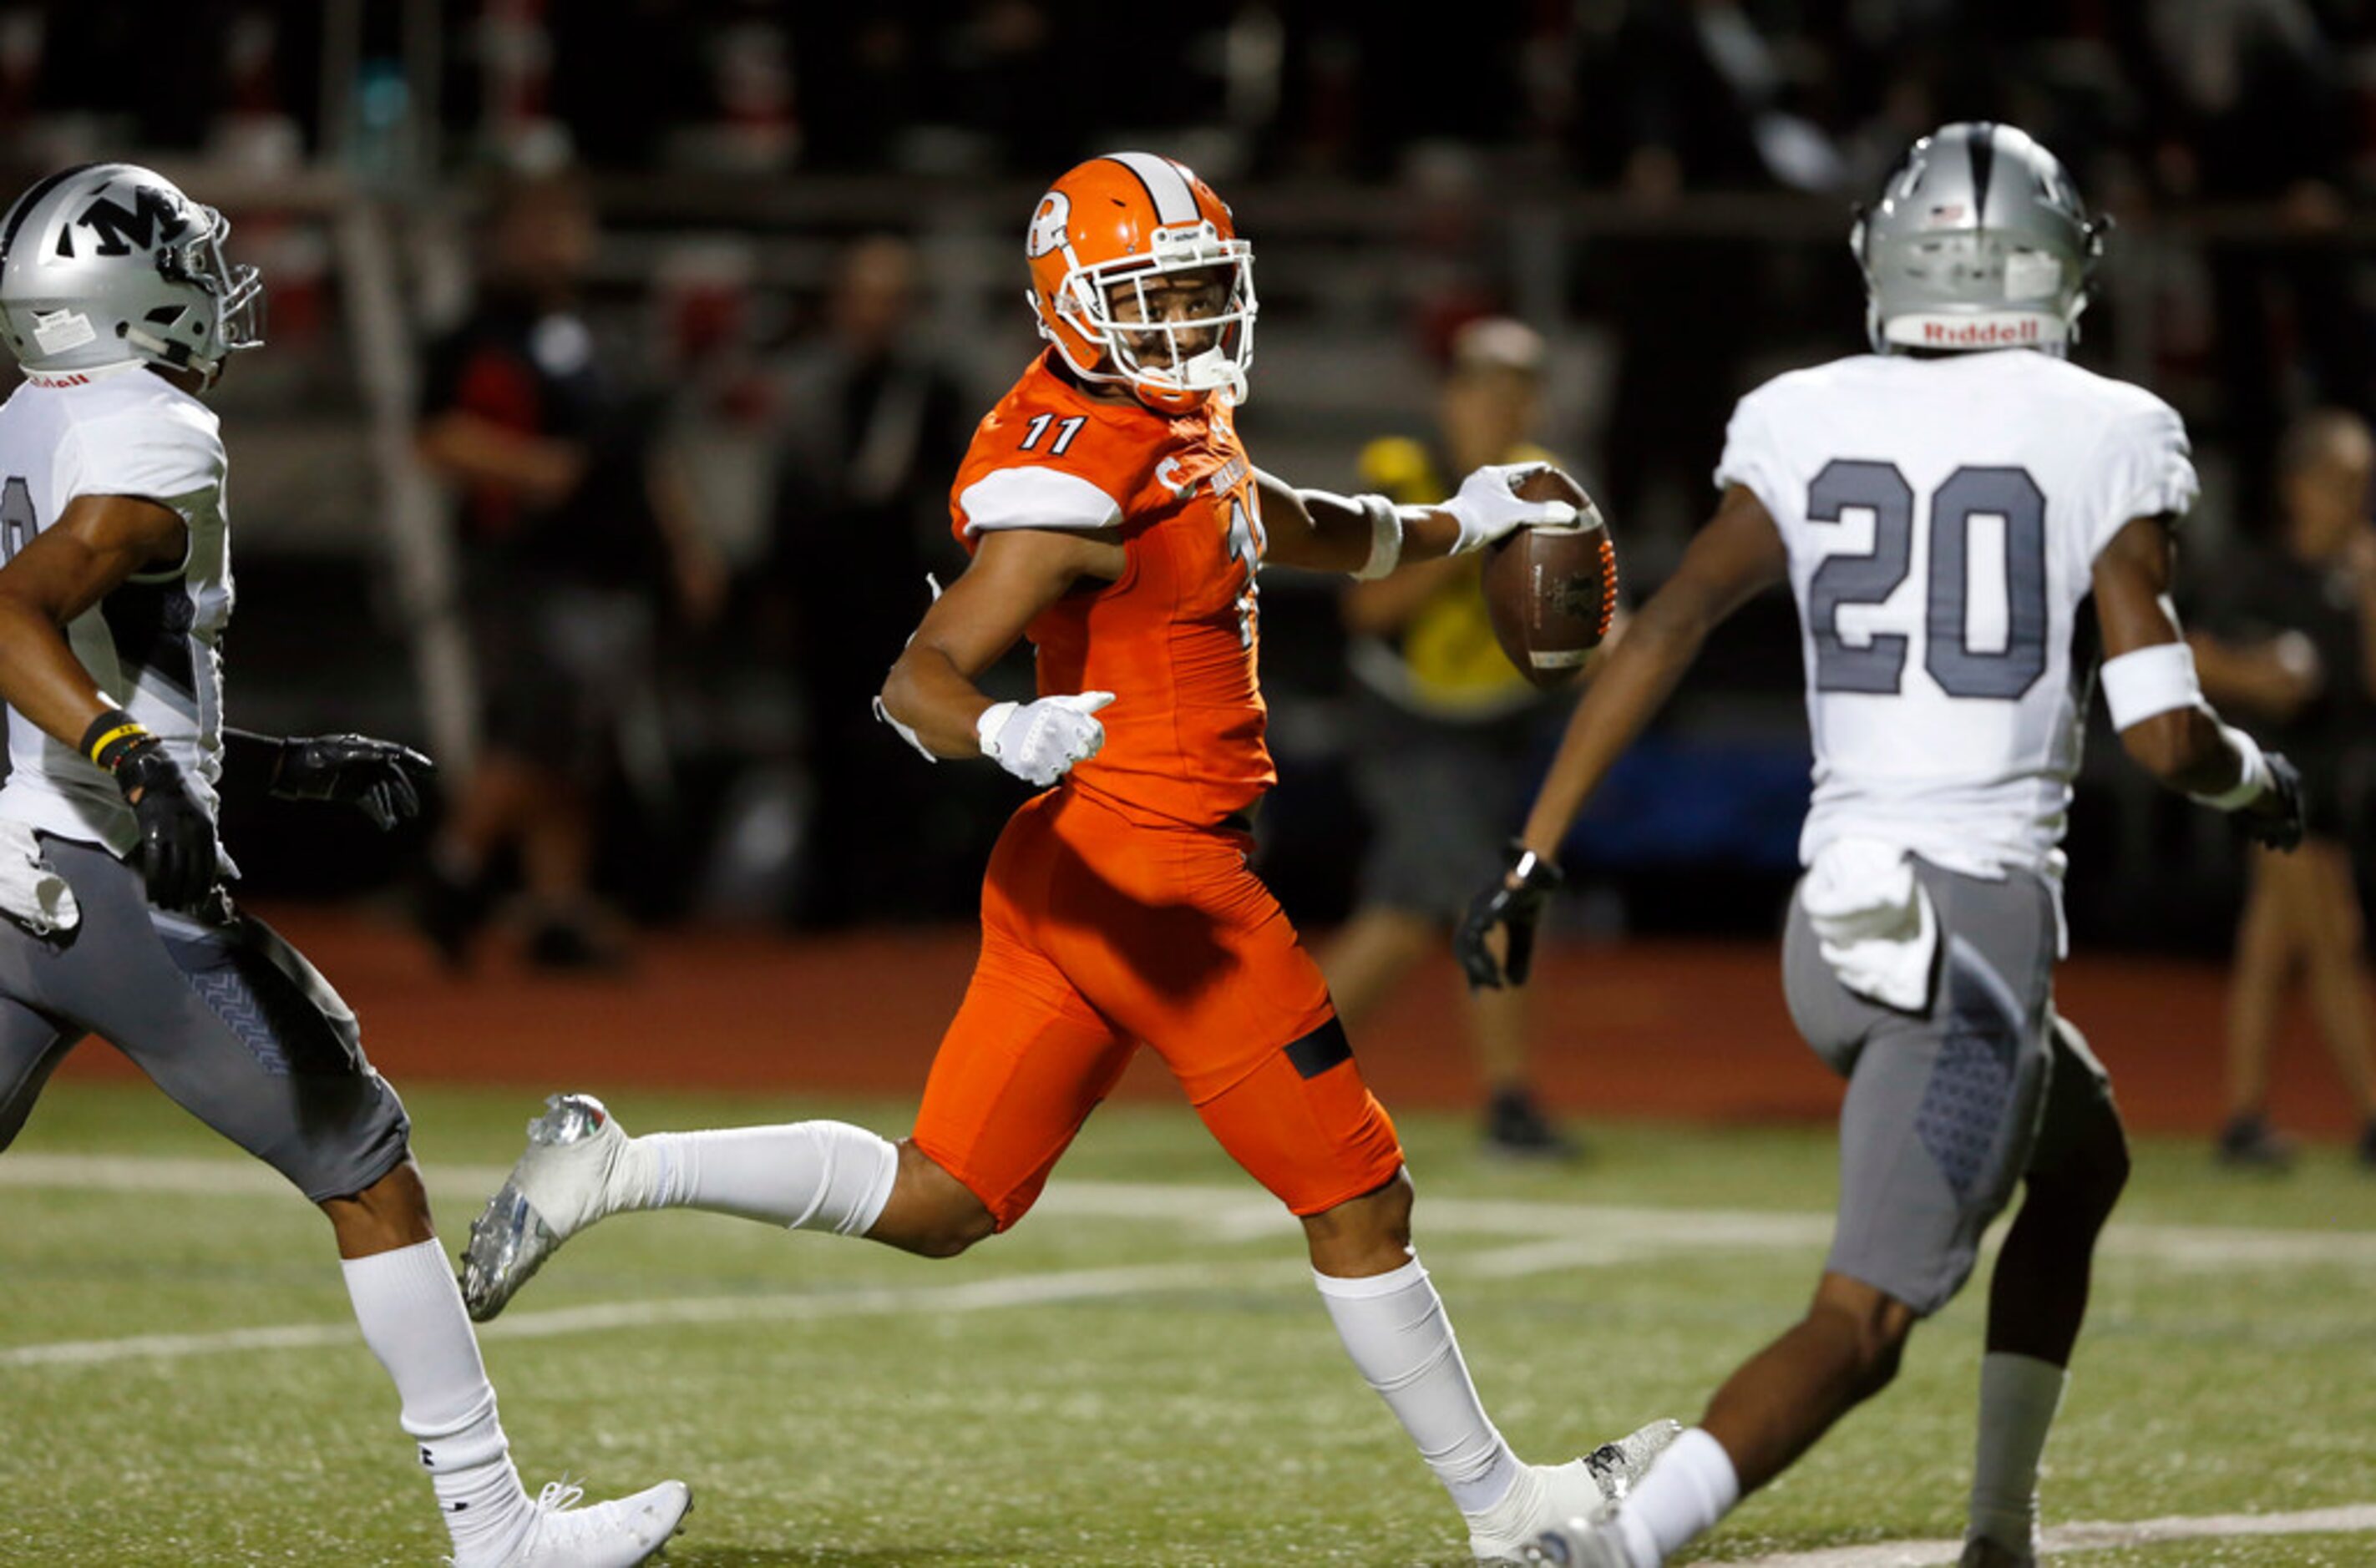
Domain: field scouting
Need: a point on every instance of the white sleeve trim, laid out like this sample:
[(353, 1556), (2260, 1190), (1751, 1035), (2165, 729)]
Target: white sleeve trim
[(2163, 485), (1035, 498)]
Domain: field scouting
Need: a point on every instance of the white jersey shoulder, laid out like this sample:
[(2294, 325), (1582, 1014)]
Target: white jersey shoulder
[(1041, 496), (1942, 518), (153, 645)]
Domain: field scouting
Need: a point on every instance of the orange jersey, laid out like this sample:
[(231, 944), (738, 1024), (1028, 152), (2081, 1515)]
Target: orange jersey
[(1174, 638)]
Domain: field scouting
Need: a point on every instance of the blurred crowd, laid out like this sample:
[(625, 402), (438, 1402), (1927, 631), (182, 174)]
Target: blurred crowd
[(2216, 98), (697, 481), (609, 616), (2251, 123)]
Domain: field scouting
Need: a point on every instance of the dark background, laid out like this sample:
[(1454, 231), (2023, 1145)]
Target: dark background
[(1663, 189)]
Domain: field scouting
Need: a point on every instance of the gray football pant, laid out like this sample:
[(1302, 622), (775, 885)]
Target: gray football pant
[(1947, 1110), (227, 1018)]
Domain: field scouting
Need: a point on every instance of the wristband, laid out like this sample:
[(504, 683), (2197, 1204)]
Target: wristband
[(2149, 680), (1385, 537), (2256, 782), (111, 738)]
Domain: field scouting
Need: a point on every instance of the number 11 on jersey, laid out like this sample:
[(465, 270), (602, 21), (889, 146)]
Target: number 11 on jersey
[(1065, 430)]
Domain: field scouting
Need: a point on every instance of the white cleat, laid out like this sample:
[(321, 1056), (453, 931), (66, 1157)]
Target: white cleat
[(1548, 1497), (1580, 1543), (601, 1534), (1981, 1551), (564, 1180)]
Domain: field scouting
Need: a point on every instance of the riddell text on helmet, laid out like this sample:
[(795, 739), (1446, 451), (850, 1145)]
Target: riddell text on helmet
[(1981, 333)]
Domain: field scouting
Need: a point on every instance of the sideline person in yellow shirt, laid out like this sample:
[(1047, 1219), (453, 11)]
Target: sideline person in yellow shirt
[(1440, 721)]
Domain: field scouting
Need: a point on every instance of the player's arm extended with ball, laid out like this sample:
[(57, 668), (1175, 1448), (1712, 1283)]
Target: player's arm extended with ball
[(1368, 536), (2155, 700), (97, 545), (1736, 556), (930, 696)]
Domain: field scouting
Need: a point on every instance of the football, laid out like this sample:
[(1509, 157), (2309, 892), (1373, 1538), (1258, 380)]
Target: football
[(1552, 591)]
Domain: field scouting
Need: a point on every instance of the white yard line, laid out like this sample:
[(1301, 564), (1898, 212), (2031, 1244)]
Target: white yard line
[(2065, 1538), (940, 1301), (1593, 1233), (1546, 1238), (151, 1173), (968, 1296)]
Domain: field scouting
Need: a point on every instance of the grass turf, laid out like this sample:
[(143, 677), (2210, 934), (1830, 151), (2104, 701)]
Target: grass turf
[(1202, 1415)]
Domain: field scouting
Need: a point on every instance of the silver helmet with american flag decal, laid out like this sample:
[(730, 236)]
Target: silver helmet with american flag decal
[(1979, 241)]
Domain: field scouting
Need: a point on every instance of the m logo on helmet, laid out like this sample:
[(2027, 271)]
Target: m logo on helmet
[(1048, 225), (152, 215)]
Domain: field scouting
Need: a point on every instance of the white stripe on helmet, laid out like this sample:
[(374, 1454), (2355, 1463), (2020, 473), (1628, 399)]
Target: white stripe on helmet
[(1175, 202)]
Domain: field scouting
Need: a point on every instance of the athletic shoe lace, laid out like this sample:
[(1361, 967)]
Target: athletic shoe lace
[(552, 1520), (559, 1497), (562, 1522)]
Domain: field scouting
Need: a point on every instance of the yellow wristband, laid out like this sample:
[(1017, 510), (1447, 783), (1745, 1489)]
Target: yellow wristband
[(100, 746)]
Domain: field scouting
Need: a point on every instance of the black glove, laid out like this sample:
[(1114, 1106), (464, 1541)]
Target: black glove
[(177, 842), (380, 779), (1519, 908), (2276, 819)]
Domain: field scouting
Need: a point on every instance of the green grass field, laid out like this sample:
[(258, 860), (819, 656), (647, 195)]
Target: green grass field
[(1140, 1375)]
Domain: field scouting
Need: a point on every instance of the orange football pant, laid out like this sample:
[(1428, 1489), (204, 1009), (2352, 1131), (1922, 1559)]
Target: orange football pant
[(1103, 931)]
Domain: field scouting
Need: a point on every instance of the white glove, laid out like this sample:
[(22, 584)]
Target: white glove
[(1040, 742), (1488, 507)]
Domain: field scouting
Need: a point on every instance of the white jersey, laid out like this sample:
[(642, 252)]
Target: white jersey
[(153, 646), (1943, 517)]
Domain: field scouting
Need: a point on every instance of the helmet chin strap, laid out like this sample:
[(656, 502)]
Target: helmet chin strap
[(1203, 374), (1155, 393), (175, 356), (1220, 368)]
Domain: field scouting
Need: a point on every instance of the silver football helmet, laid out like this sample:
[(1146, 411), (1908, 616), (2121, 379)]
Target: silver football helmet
[(1979, 241), (109, 262)]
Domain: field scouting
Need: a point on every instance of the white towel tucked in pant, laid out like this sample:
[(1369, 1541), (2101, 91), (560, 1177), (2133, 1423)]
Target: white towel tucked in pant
[(1875, 923), (32, 892)]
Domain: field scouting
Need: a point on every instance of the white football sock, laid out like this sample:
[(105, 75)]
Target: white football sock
[(2019, 1396), (411, 1313), (806, 1175), (1688, 1487), (1394, 1328)]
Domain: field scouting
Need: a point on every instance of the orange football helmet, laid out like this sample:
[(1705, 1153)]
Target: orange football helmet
[(1114, 223)]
